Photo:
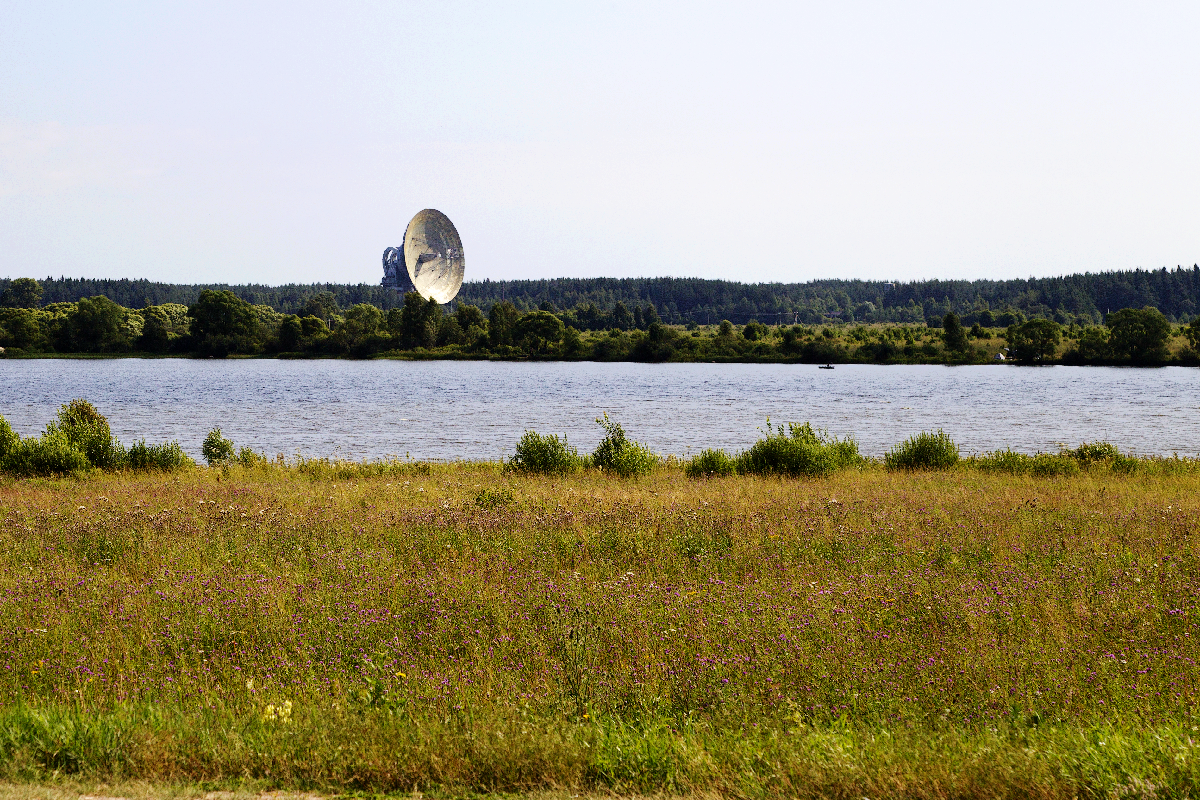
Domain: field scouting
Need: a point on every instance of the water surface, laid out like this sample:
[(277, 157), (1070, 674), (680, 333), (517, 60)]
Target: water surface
[(477, 410)]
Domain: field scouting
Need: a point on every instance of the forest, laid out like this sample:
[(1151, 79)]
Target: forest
[(218, 323), (1071, 299)]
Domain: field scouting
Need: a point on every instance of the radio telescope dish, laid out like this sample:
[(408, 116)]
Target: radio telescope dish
[(433, 255)]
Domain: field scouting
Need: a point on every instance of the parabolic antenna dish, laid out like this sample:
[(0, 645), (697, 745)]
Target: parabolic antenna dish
[(433, 255)]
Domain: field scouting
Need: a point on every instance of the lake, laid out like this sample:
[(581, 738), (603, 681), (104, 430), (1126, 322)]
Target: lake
[(445, 410)]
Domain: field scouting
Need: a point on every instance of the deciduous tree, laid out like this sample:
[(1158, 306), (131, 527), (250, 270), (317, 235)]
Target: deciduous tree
[(95, 325), (539, 332), (1139, 335), (223, 323), (502, 319), (22, 293), (1035, 341), (953, 333)]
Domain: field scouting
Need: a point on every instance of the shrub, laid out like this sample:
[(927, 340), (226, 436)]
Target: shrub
[(1003, 461), (248, 458), (1045, 465), (1089, 453), (615, 453), (87, 431), (710, 464), (167, 457), (50, 454), (798, 451), (1125, 464), (926, 450), (1042, 465), (545, 455), (491, 499), (216, 448), (80, 439), (8, 438)]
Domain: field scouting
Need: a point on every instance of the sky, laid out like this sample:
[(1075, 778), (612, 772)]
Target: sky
[(290, 142)]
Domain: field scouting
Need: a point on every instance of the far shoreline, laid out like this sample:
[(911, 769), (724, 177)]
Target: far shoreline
[(461, 357)]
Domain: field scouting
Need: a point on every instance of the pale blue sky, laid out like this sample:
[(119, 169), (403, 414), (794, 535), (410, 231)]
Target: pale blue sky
[(270, 143)]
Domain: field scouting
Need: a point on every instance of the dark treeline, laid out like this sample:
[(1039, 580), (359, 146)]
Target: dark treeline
[(219, 323), (287, 299), (1082, 298), (1078, 299)]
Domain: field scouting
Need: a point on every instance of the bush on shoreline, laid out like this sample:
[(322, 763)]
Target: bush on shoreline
[(216, 449), (924, 451), (620, 455), (545, 455), (78, 441), (710, 464), (798, 451), (1041, 465)]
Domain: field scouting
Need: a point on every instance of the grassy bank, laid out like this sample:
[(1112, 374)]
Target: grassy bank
[(455, 628)]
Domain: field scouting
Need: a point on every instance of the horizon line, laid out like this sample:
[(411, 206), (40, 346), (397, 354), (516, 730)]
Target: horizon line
[(1177, 268)]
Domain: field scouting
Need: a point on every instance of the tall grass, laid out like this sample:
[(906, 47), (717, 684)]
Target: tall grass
[(342, 469), (869, 633), (1041, 464)]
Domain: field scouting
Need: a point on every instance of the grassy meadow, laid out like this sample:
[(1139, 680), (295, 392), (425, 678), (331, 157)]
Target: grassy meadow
[(460, 629)]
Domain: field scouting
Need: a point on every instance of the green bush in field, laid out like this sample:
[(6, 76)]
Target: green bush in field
[(248, 458), (216, 448), (9, 439), (87, 430), (50, 454), (1045, 465), (1042, 465), (798, 451), (618, 454), (710, 464), (926, 450), (1127, 464), (1003, 461), (1090, 453), (166, 457), (492, 499), (545, 455), (79, 440)]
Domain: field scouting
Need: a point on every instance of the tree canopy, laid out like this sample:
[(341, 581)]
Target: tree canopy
[(1138, 335), (1079, 298)]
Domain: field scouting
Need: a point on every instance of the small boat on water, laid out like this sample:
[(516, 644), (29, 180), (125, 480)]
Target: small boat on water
[(825, 366)]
